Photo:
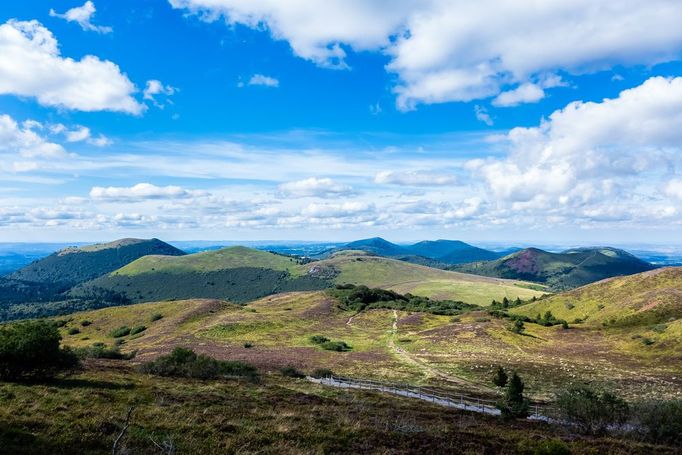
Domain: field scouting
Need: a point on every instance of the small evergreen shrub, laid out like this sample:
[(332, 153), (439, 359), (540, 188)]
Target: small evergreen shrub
[(248, 345), (291, 372), (74, 331), (500, 377), (155, 317), (100, 351), (120, 332), (137, 329), (660, 421), (318, 339), (182, 362), (86, 323), (514, 405), (322, 373), (591, 411), (338, 346)]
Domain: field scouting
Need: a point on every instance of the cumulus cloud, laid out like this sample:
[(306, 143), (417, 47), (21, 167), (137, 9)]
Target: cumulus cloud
[(266, 81), (314, 187), (140, 192), (17, 142), (415, 178), (445, 50), (524, 93), (31, 66), (589, 151), (82, 15), (156, 89), (674, 189)]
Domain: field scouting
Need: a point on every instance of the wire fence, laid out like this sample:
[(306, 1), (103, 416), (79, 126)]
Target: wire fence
[(447, 398)]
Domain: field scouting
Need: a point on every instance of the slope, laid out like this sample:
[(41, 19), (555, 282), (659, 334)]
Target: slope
[(238, 274), (76, 265), (561, 271), (356, 267), (451, 251)]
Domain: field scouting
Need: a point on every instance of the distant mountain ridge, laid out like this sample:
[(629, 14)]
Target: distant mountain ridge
[(75, 265), (561, 271), (429, 252)]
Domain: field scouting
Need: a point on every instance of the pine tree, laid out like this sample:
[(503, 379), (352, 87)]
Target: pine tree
[(500, 377), (514, 405)]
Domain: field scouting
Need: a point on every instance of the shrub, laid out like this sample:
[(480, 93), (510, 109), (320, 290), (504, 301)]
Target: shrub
[(137, 329), (318, 339), (500, 377), (660, 421), (338, 346), (30, 350), (74, 331), (514, 405), (155, 317), (291, 372), (564, 325), (592, 412), (100, 351), (120, 332), (86, 323), (518, 327), (248, 345), (182, 362), (552, 447), (322, 373)]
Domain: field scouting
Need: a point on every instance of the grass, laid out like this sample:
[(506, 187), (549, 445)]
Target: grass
[(84, 413), (210, 261), (404, 277), (278, 330)]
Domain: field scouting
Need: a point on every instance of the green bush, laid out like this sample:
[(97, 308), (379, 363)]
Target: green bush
[(120, 332), (518, 327), (338, 346), (155, 317), (322, 373), (73, 331), (100, 351), (248, 345), (514, 405), (318, 339), (660, 421), (552, 447), (86, 323), (182, 362), (591, 411), (291, 372), (30, 350), (137, 329)]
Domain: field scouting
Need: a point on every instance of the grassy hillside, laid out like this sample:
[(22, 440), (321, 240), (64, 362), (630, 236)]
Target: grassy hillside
[(237, 274), (76, 265), (561, 271), (374, 271), (647, 298), (456, 353)]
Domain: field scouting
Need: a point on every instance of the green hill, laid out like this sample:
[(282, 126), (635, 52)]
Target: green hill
[(644, 299), (357, 267), (237, 274), (76, 265), (560, 271)]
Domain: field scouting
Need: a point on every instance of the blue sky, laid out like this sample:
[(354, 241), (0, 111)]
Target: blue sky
[(234, 119)]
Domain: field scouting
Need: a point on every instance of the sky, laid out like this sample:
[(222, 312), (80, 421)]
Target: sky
[(490, 121)]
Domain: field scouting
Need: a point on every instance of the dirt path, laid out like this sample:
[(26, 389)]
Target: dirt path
[(428, 370)]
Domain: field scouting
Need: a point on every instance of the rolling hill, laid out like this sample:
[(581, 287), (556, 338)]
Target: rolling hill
[(76, 265), (643, 299), (560, 271), (429, 252), (357, 267), (238, 274)]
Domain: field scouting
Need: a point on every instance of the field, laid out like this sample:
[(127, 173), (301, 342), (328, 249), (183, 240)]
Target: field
[(403, 277), (419, 348), (84, 413)]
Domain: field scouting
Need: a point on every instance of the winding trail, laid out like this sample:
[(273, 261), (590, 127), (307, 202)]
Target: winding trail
[(428, 370)]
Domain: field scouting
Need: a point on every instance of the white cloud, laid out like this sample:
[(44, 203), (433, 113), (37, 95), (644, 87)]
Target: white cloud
[(266, 81), (141, 191), (154, 88), (21, 142), (314, 187), (455, 50), (31, 65), (81, 133), (674, 189), (482, 115), (82, 15), (415, 178), (591, 152), (524, 93)]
